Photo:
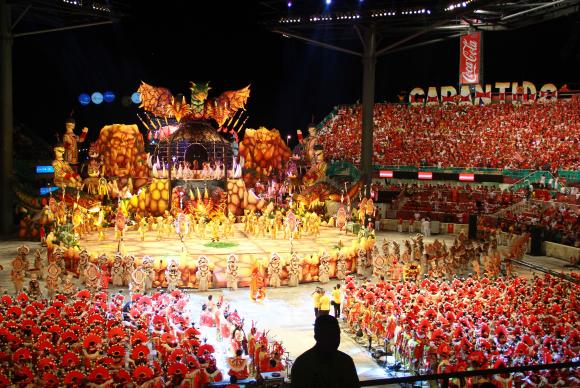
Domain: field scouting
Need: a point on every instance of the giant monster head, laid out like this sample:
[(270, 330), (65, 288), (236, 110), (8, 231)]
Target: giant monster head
[(124, 151)]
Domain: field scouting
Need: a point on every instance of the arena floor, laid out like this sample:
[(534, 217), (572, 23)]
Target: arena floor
[(286, 312)]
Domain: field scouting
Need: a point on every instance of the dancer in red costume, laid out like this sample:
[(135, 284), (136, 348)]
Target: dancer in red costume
[(257, 289)]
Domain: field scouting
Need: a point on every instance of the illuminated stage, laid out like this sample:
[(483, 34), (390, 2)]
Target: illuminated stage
[(247, 247)]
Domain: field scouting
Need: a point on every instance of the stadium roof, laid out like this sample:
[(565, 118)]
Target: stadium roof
[(403, 25), (33, 17)]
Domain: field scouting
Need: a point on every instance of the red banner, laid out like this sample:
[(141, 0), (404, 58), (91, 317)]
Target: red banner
[(469, 58), (465, 177)]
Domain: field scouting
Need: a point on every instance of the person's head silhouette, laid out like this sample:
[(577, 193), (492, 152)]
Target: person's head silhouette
[(326, 334), (324, 365)]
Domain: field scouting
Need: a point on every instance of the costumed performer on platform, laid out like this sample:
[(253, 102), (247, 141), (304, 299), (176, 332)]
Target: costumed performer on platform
[(64, 175), (317, 171), (71, 141)]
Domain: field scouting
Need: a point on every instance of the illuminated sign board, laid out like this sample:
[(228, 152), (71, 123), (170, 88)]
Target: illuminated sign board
[(465, 177), (44, 170), (46, 190)]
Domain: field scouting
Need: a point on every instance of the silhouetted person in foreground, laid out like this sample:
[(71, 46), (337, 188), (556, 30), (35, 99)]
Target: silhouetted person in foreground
[(324, 365)]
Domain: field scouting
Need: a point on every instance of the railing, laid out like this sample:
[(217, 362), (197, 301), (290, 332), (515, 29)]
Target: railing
[(546, 270), (545, 204), (481, 372), (535, 177), (571, 176), (516, 208)]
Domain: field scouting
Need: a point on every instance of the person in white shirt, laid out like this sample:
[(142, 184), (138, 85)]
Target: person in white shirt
[(426, 227)]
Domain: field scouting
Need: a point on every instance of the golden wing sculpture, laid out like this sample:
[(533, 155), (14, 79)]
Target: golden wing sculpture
[(156, 100), (227, 104)]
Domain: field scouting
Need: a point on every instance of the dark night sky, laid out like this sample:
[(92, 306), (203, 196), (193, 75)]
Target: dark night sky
[(169, 45)]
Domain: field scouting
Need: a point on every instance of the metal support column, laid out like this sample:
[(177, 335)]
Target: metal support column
[(6, 121), (369, 60)]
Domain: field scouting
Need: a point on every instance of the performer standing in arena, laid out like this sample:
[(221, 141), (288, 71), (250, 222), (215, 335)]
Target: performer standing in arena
[(316, 301), (336, 300), (324, 300)]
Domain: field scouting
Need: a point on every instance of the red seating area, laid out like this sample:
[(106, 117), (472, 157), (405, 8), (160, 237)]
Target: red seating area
[(451, 204), (559, 222), (497, 136)]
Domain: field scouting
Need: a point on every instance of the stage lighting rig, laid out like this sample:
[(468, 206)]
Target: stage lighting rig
[(461, 4)]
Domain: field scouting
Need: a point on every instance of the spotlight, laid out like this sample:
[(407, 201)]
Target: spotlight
[(109, 96), (84, 99), (328, 2), (289, 4), (136, 98), (97, 98)]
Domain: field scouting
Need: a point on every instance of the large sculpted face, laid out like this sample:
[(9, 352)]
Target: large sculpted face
[(123, 151)]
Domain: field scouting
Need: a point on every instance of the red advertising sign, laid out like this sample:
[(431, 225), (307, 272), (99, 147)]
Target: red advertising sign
[(425, 175), (469, 58), (465, 177), (385, 174)]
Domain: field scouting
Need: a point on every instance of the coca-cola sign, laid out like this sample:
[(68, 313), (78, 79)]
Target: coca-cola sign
[(469, 58)]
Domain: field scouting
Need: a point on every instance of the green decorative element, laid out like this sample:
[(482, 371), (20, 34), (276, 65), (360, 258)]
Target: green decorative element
[(353, 227), (67, 236), (220, 244), (199, 94), (343, 169)]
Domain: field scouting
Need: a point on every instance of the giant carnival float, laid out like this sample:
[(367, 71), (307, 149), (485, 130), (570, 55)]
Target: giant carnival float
[(182, 199)]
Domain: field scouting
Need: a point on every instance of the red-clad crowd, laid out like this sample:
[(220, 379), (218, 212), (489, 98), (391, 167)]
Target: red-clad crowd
[(559, 221), (474, 324), (497, 136), (450, 203), (95, 340)]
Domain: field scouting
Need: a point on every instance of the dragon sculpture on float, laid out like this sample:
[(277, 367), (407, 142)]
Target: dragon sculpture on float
[(161, 103)]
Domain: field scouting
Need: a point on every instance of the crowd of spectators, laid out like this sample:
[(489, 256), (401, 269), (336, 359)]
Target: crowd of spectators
[(447, 203), (436, 326), (558, 222), (534, 136)]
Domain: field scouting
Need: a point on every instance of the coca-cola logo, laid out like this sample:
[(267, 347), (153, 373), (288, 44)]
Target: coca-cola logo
[(470, 54)]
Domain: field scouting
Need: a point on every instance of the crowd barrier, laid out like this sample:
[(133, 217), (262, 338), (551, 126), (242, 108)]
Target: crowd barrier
[(443, 378), (564, 252), (389, 224)]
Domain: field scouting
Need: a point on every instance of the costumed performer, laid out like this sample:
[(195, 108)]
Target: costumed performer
[(71, 141), (64, 175)]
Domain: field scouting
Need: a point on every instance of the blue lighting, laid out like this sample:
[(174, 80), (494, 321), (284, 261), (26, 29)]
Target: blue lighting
[(84, 99), (44, 170), (109, 96), (328, 2), (289, 4), (136, 98), (46, 190), (97, 98)]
